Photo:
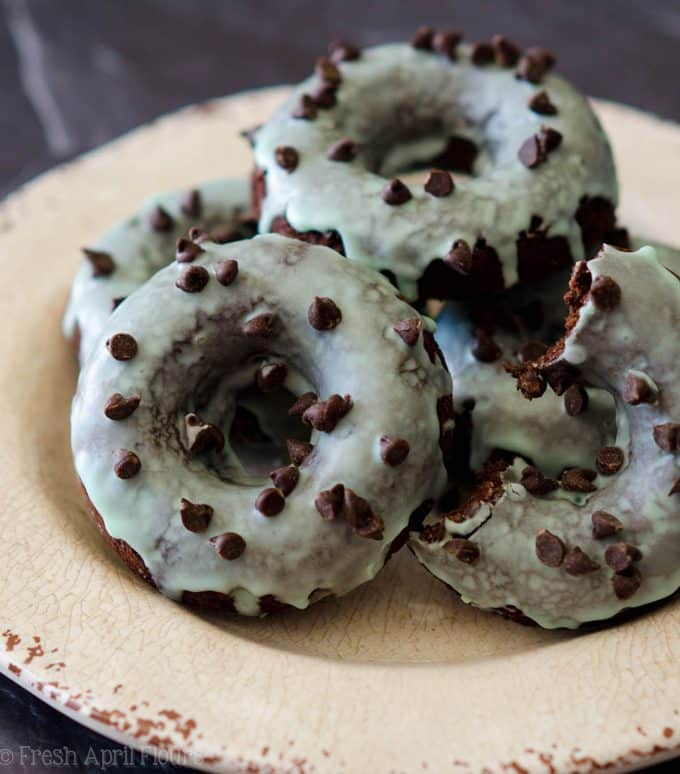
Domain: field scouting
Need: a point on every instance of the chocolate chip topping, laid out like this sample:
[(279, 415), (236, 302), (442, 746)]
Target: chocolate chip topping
[(323, 314), (116, 302), (329, 502), (577, 562), (464, 550), (536, 483), (637, 390), (271, 376), (270, 502), (531, 351), (324, 415), (561, 375), (393, 451), (625, 584), (606, 293), (195, 517), (342, 150), (193, 279), (675, 489), (609, 460), (360, 516), (161, 220), (506, 53), (261, 326), (409, 330), (229, 545), (460, 258), (119, 407), (102, 263), (298, 451), (192, 205), (485, 348), (302, 404), (482, 54), (395, 193), (327, 71), (122, 346), (285, 479), (439, 183), (344, 51), (305, 108), (422, 38), (667, 436), (531, 153), (549, 138), (605, 525), (578, 480), (202, 436), (540, 103), (187, 251), (550, 550), (126, 464), (324, 96), (621, 556), (446, 42), (531, 384), (286, 157), (575, 400), (226, 271), (535, 63)]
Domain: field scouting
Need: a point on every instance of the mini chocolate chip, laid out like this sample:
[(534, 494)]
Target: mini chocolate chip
[(532, 350), (302, 404), (433, 533), (675, 489), (605, 525), (122, 346), (323, 314), (343, 51), (324, 415), (161, 220), (535, 63), (625, 584), (202, 436), (532, 153), (540, 103), (667, 436), (305, 108), (126, 464), (460, 258), (117, 301), (575, 400), (422, 38), (606, 293), (393, 451), (197, 234), (561, 375), (119, 407), (224, 235), (342, 150), (327, 71), (298, 451), (464, 550), (482, 54), (261, 326), (187, 251), (285, 479), (409, 330), (531, 384), (270, 502), (577, 562), (329, 502), (439, 183), (226, 271), (324, 96), (102, 263), (192, 205), (229, 545), (395, 193), (360, 516), (621, 556), (506, 53), (271, 376), (637, 390), (195, 517), (550, 550), (578, 480), (609, 460), (536, 483), (549, 138), (286, 157), (446, 42), (485, 348), (193, 279)]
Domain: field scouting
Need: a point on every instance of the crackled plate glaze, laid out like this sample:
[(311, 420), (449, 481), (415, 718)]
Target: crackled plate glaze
[(397, 676)]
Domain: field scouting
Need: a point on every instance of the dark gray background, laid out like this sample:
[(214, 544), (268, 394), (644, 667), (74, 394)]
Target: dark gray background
[(76, 73)]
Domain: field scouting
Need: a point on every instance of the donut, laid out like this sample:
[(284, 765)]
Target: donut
[(155, 398), (134, 249), (585, 545), (539, 190)]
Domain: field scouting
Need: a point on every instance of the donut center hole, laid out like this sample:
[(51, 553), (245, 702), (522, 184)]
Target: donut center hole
[(409, 156)]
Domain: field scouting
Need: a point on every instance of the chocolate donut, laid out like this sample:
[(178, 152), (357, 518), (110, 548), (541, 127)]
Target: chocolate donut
[(600, 538), (543, 189), (134, 249), (155, 400)]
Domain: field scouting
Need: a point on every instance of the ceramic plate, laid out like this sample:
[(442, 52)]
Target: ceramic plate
[(397, 676)]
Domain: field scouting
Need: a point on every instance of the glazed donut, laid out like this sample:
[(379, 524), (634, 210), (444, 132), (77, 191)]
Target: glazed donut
[(602, 538), (134, 249), (155, 398), (544, 187)]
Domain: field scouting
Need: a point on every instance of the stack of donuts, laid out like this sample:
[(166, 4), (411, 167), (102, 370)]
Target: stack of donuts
[(418, 324)]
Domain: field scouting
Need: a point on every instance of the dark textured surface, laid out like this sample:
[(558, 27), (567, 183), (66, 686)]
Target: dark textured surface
[(76, 73)]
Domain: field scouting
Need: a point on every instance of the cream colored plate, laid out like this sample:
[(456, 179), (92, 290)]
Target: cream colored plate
[(398, 676)]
